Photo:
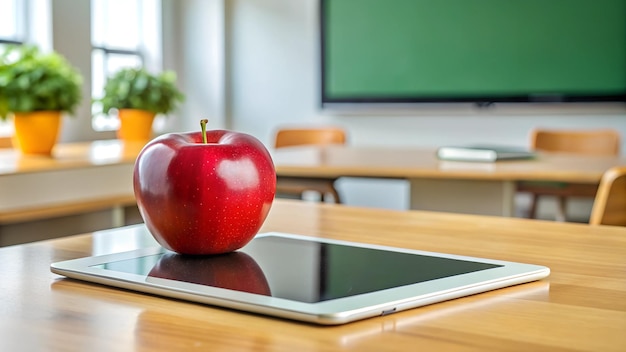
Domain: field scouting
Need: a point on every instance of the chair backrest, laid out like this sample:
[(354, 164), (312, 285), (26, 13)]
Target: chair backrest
[(609, 206), (589, 142), (309, 136)]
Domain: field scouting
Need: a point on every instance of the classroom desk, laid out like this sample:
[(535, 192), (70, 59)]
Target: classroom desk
[(451, 186), (102, 171), (82, 187), (76, 174), (581, 306)]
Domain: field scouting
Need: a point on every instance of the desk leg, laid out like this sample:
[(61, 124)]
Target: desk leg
[(463, 196), (118, 218)]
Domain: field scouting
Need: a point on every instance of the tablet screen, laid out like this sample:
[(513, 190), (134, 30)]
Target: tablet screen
[(299, 269)]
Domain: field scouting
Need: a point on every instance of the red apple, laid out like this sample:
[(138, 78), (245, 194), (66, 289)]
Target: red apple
[(235, 271), (204, 198)]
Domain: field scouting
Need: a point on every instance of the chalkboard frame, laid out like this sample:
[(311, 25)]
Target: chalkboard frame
[(327, 100)]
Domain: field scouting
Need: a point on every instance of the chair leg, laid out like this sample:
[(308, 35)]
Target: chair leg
[(532, 212), (335, 196), (561, 210)]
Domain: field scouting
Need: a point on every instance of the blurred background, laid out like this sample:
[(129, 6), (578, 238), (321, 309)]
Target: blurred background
[(252, 66)]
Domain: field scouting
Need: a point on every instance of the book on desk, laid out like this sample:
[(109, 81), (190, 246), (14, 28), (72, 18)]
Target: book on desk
[(483, 153)]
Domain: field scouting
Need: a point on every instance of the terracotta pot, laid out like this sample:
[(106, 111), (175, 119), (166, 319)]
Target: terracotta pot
[(36, 132), (135, 125)]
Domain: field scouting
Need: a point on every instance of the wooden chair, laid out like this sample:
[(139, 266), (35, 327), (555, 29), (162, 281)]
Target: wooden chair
[(295, 187), (609, 206), (587, 142)]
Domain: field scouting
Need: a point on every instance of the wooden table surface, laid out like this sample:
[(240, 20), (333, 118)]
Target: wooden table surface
[(581, 306), (336, 161), (407, 162), (70, 156), (76, 174)]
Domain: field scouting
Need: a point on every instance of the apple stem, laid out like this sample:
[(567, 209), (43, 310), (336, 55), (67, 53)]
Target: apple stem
[(203, 123)]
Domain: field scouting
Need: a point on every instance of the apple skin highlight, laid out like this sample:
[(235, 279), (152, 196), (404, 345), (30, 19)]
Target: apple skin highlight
[(201, 198)]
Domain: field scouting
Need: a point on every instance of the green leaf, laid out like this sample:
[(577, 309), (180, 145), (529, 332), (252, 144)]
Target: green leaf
[(138, 89), (31, 80)]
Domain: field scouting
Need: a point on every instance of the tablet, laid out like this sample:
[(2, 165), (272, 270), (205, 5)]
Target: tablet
[(304, 278)]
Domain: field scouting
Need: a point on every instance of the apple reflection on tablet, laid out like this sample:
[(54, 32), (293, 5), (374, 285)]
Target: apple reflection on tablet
[(234, 271)]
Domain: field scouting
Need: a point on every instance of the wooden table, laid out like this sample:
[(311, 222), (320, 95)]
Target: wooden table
[(78, 179), (581, 306), (102, 169), (75, 171), (452, 186)]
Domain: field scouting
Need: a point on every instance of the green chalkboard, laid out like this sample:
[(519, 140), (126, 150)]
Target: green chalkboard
[(473, 49)]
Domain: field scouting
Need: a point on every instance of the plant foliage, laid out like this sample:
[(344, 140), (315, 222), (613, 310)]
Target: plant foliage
[(136, 88), (31, 80)]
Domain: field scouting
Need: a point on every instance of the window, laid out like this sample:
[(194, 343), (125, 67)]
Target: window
[(12, 31), (125, 33), (12, 22)]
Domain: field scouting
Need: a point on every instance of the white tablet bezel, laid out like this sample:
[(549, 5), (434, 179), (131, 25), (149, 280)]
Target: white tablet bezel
[(330, 312)]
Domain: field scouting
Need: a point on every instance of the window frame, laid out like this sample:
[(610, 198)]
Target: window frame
[(20, 38), (148, 52)]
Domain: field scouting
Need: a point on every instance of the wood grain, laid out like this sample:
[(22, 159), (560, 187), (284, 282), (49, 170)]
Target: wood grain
[(581, 306)]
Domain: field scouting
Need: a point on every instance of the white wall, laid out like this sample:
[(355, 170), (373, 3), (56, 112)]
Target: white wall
[(194, 48)]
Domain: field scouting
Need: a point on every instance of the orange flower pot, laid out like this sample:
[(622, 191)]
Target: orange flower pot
[(36, 132), (135, 125)]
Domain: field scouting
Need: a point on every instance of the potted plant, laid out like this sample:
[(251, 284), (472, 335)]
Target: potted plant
[(36, 88), (138, 97)]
